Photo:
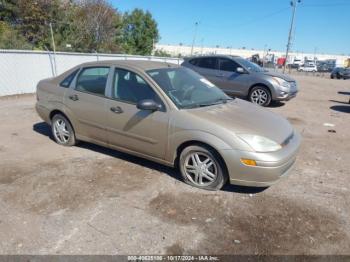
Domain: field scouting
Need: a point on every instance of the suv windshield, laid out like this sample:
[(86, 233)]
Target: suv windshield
[(186, 88), (249, 65)]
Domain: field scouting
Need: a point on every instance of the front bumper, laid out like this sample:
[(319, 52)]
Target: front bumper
[(281, 95), (270, 166), (286, 96)]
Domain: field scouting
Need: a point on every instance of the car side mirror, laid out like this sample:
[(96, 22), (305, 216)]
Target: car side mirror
[(148, 104), (240, 70)]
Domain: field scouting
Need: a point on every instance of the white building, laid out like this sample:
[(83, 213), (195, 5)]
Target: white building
[(185, 50)]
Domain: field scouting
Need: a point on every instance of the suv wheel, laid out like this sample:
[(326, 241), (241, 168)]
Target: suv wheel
[(260, 95), (62, 131), (201, 167)]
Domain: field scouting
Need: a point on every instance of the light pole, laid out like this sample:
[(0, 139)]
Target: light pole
[(294, 4), (194, 36), (53, 46)]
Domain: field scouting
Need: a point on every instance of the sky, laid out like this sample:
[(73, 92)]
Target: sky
[(320, 25)]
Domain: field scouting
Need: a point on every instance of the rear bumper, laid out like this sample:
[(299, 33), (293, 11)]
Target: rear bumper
[(43, 112), (270, 166)]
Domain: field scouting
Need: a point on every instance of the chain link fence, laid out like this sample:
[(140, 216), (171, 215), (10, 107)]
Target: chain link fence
[(20, 70)]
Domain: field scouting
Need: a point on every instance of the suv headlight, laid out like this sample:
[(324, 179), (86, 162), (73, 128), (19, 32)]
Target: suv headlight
[(260, 143), (283, 84)]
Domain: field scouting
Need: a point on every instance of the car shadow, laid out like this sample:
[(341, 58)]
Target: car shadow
[(275, 104), (243, 189), (340, 108), (340, 102), (45, 130), (344, 93)]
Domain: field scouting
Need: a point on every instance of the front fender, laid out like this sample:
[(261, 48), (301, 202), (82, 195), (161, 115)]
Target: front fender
[(178, 138)]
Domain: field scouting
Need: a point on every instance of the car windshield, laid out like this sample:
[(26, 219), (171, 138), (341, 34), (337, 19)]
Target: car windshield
[(186, 88), (249, 65)]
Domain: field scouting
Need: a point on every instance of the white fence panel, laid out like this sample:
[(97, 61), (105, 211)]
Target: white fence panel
[(20, 71)]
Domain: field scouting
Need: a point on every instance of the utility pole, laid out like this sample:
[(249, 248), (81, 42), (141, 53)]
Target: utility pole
[(263, 56), (315, 50), (294, 4), (194, 36), (53, 46)]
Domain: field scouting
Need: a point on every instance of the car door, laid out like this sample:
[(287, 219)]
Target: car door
[(207, 67), (85, 103), (229, 80), (128, 127)]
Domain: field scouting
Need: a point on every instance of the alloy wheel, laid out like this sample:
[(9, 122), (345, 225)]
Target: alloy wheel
[(259, 96), (200, 169), (61, 132)]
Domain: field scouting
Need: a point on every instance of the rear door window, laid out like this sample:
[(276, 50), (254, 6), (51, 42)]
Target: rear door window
[(93, 80), (194, 62), (68, 80), (208, 62)]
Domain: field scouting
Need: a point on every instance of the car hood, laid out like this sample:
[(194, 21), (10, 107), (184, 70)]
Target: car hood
[(276, 74), (244, 117)]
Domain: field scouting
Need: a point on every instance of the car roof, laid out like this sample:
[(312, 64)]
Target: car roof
[(212, 56), (143, 65)]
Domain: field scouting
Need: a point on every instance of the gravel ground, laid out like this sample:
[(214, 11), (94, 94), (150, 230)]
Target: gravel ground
[(92, 200)]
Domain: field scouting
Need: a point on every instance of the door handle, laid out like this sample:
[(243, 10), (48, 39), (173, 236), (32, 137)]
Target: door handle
[(220, 75), (74, 97), (117, 110)]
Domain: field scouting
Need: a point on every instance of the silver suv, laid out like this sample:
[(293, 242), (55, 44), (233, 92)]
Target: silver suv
[(237, 76)]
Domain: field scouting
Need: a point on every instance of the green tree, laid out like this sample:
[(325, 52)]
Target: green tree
[(11, 38), (161, 53), (95, 26), (140, 32), (35, 17), (8, 11)]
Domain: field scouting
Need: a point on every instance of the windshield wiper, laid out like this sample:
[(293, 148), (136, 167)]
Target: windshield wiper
[(216, 102)]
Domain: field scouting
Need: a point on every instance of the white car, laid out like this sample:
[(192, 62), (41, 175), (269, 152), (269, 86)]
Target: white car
[(307, 68)]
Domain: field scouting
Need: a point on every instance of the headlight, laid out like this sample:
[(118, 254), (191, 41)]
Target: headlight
[(260, 143), (282, 83)]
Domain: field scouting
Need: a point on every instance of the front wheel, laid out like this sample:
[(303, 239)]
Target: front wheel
[(201, 167), (260, 95), (62, 131)]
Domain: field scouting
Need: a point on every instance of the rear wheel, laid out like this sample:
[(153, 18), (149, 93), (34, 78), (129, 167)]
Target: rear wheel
[(62, 131), (260, 95), (202, 167)]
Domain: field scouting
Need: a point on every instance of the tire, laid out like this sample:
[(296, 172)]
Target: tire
[(62, 131), (210, 175), (332, 77), (260, 95)]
